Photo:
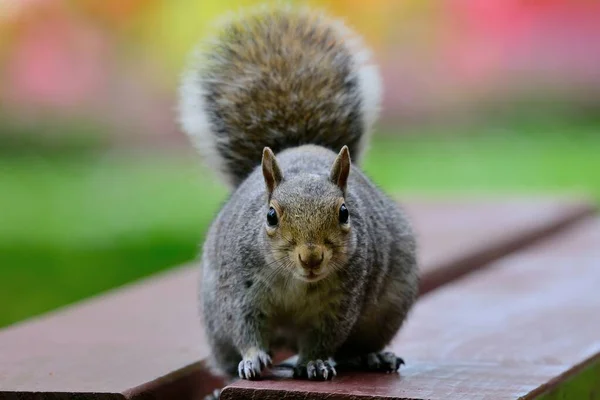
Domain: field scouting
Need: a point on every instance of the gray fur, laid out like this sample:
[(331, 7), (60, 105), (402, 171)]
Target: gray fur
[(354, 311)]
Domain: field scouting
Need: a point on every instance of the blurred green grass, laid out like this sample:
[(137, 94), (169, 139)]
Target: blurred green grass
[(74, 225)]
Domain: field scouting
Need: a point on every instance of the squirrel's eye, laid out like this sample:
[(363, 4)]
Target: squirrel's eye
[(272, 217), (343, 214)]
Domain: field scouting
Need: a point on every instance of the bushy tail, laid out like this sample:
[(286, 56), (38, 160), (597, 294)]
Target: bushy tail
[(278, 77)]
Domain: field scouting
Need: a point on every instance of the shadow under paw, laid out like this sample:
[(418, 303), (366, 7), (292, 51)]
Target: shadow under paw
[(379, 362)]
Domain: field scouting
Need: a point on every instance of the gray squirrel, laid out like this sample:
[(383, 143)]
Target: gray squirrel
[(306, 251)]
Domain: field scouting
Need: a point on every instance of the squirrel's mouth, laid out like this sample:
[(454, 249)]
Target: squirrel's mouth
[(311, 276)]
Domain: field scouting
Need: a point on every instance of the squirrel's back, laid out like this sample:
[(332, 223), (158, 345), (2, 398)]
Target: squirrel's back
[(278, 77)]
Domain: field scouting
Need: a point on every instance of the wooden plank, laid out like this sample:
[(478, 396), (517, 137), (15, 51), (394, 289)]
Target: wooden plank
[(458, 236), (517, 330), (426, 380), (145, 339), (120, 344)]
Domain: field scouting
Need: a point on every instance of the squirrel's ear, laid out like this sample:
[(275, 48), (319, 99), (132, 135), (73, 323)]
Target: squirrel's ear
[(341, 169), (271, 171)]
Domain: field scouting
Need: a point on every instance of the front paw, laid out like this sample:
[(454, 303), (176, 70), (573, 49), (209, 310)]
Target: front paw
[(315, 370), (253, 364)]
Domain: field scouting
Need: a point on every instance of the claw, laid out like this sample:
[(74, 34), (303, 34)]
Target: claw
[(251, 366), (315, 370), (399, 362)]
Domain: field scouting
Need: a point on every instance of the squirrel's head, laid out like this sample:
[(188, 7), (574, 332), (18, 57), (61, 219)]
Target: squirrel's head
[(308, 224)]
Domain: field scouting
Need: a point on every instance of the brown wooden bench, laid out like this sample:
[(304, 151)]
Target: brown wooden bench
[(527, 325)]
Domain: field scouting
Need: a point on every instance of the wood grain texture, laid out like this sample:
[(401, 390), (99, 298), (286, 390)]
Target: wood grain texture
[(145, 340), (422, 380), (516, 330)]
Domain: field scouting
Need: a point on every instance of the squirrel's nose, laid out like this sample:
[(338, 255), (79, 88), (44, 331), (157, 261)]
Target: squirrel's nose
[(311, 260)]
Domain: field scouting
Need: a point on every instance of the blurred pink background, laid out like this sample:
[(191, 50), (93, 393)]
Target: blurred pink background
[(116, 64)]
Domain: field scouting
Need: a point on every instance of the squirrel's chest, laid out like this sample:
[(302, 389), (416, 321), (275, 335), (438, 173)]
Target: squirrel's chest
[(300, 304)]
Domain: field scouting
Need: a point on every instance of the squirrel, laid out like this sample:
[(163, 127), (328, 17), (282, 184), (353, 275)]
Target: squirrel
[(306, 250)]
